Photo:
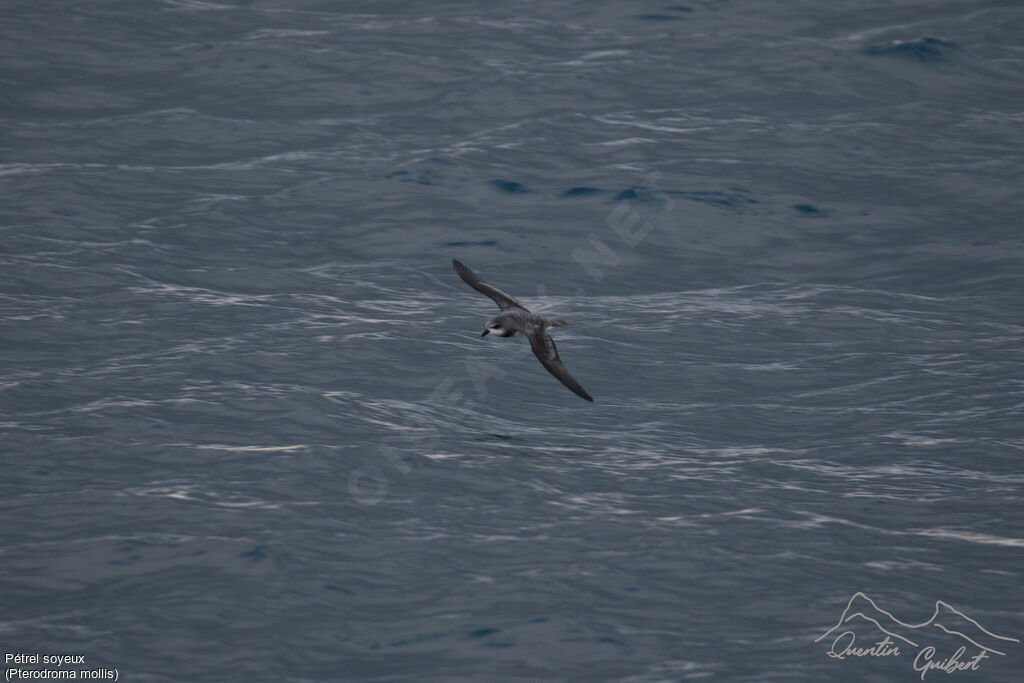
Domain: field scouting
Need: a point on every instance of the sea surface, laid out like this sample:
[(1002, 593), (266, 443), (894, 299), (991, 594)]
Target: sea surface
[(250, 431)]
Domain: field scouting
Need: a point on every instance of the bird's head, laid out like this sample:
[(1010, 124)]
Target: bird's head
[(494, 325)]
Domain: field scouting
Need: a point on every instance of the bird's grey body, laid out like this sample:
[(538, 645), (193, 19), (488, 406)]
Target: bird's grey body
[(516, 320)]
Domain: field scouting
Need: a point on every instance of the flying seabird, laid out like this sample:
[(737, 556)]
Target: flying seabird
[(516, 319)]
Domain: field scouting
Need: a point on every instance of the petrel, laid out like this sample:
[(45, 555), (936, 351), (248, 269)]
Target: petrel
[(516, 319)]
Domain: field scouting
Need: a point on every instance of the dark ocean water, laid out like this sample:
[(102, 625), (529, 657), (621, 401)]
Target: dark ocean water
[(250, 431)]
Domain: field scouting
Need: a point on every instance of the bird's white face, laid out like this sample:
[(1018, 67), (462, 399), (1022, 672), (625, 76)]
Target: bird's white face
[(496, 329)]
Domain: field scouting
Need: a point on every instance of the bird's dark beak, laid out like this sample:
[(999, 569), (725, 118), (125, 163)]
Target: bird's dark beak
[(485, 333)]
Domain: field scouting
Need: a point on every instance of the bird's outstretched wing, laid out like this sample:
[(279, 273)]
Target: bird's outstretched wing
[(544, 348), (504, 301)]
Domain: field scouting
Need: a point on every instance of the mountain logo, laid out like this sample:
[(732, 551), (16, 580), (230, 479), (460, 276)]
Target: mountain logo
[(946, 628)]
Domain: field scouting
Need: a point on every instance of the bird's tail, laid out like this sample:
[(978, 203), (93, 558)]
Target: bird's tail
[(556, 323)]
